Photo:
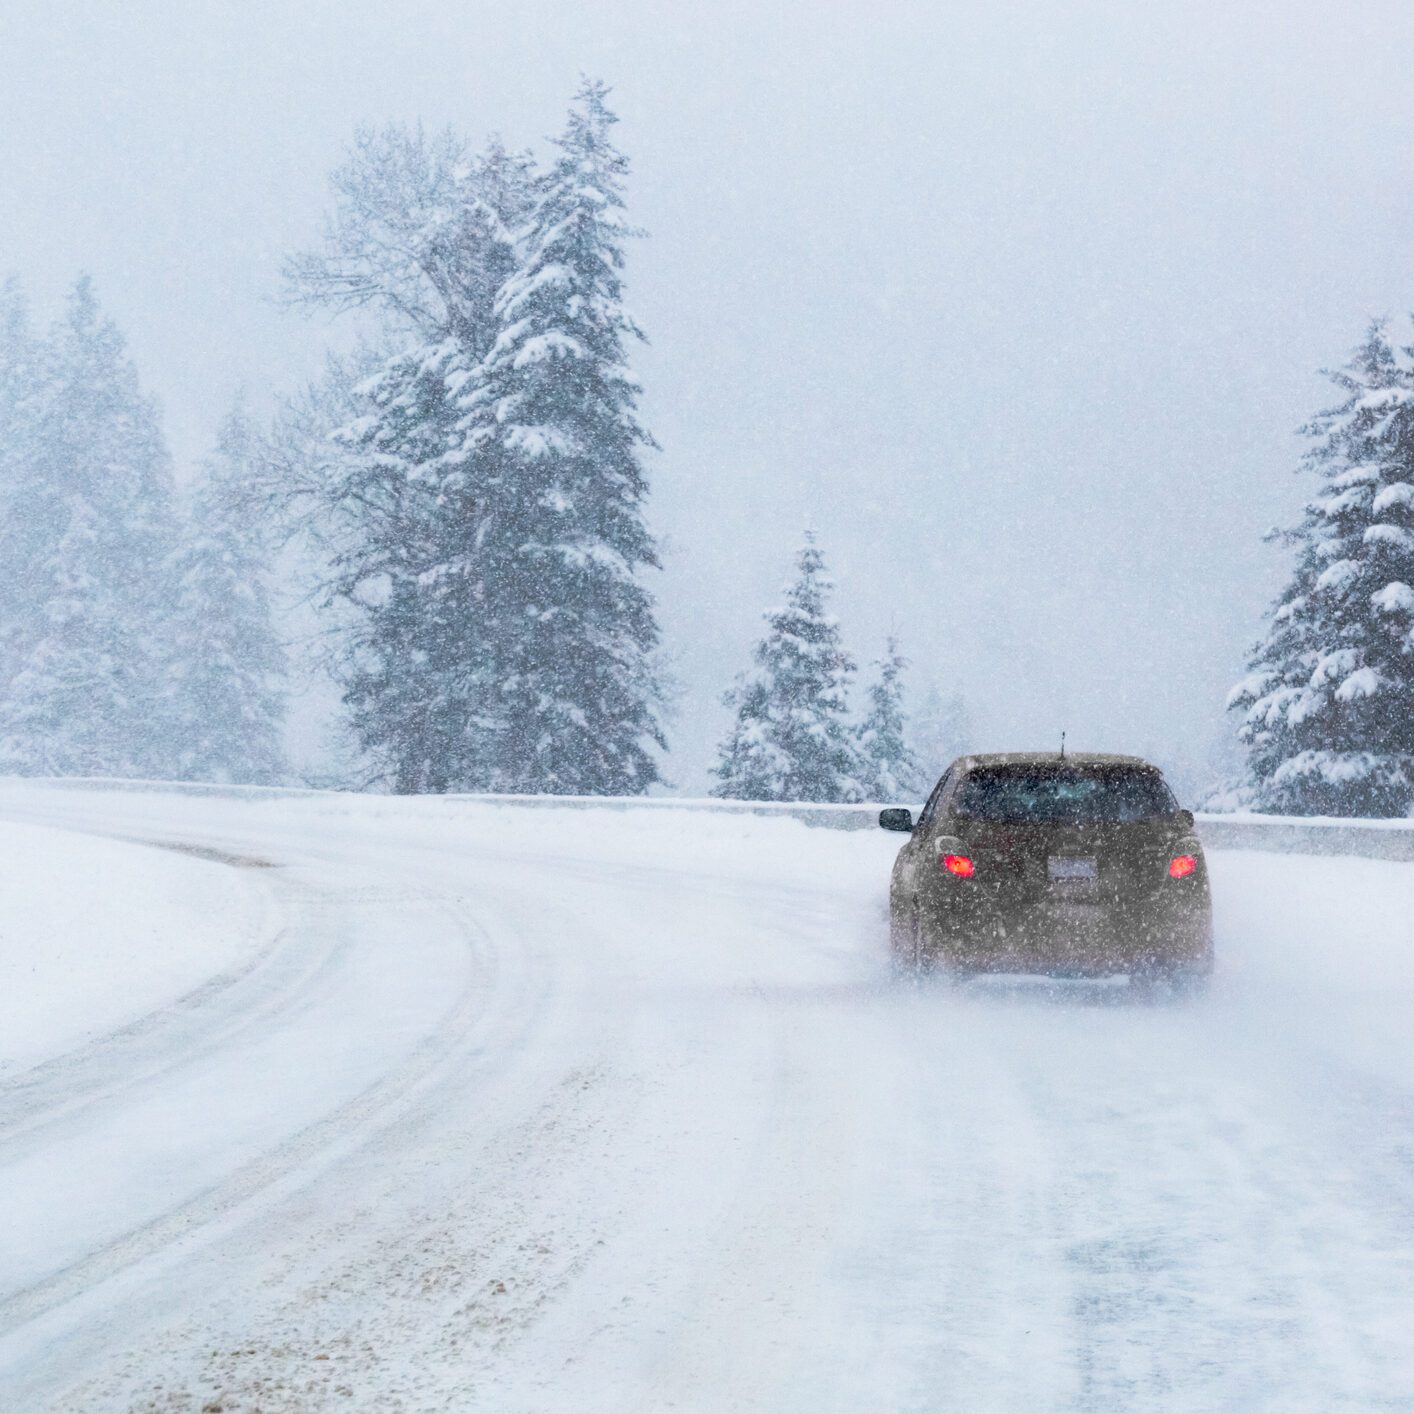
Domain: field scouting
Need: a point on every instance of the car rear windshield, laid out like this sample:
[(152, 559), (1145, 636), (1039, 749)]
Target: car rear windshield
[(1042, 795)]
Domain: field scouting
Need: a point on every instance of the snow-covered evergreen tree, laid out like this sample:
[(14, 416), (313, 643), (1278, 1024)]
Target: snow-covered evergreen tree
[(1328, 703), (791, 739), (407, 661), (226, 666), (750, 766), (480, 516), (554, 444), (888, 770), (85, 695)]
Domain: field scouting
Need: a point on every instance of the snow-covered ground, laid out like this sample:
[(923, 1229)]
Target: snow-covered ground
[(500, 1109), (95, 935)]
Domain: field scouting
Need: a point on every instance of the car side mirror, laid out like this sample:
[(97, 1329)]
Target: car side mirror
[(1185, 818), (896, 819)]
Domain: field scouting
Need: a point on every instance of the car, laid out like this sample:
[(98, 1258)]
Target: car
[(1066, 865)]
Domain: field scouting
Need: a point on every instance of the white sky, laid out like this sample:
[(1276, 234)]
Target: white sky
[(1019, 305)]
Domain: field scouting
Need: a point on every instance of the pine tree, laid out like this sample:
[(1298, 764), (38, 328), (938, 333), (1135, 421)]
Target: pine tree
[(225, 695), (791, 737), (479, 516), (1328, 703), (85, 697), (402, 656), (888, 768), (554, 442), (750, 765)]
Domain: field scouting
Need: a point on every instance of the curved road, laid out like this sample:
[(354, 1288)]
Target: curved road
[(600, 1110)]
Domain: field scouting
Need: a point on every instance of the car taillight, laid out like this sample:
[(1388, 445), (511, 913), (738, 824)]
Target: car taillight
[(958, 864), (1182, 865)]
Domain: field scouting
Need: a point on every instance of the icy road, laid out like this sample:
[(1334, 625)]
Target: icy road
[(375, 1104)]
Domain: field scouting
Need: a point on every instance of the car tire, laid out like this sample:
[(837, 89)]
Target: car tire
[(936, 960), (901, 945), (922, 958), (913, 960), (1189, 983), (910, 961)]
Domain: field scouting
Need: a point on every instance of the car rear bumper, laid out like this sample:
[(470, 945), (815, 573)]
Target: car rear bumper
[(1076, 940)]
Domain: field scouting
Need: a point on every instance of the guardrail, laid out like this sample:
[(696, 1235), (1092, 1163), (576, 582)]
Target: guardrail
[(1291, 834), (1285, 834)]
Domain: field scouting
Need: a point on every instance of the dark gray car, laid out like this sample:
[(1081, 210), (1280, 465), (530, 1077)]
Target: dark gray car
[(1076, 866)]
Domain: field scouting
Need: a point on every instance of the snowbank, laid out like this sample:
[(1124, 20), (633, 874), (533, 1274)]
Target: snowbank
[(95, 934)]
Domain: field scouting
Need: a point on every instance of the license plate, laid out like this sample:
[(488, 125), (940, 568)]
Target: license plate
[(1064, 870)]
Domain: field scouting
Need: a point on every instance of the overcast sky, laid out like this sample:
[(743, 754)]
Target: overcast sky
[(1018, 305)]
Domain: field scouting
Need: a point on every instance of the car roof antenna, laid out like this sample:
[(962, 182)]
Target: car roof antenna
[(1062, 746)]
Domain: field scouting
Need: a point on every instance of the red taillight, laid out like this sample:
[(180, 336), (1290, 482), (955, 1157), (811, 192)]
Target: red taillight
[(1181, 866), (959, 864)]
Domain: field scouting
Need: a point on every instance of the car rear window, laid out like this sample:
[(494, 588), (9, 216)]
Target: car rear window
[(1042, 795)]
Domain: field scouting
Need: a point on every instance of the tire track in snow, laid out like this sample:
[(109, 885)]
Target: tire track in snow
[(340, 1132), (97, 1070), (467, 1270)]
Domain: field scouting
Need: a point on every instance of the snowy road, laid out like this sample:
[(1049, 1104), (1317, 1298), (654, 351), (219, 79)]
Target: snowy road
[(597, 1110)]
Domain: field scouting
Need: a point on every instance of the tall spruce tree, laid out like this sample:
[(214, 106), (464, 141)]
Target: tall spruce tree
[(888, 769), (480, 516), (225, 690), (86, 692), (1328, 704), (554, 442), (791, 738)]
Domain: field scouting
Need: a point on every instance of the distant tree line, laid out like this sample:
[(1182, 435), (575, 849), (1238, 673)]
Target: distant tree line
[(467, 489)]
